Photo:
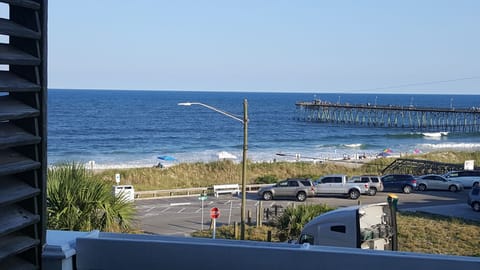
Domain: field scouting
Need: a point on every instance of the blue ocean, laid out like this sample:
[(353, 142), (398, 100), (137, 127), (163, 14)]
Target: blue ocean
[(116, 129)]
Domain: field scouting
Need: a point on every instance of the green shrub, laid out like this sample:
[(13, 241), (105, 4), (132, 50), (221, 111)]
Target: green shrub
[(292, 220), (228, 232), (266, 179), (78, 200)]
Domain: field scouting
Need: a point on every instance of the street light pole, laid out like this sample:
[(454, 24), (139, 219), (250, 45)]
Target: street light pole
[(244, 158), (244, 168)]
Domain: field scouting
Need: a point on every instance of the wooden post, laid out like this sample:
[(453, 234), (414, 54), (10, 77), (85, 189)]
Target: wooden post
[(269, 236), (249, 218), (259, 214), (235, 230)]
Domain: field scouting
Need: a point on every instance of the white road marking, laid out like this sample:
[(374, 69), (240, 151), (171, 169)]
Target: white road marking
[(150, 209), (179, 204), (164, 210), (181, 210)]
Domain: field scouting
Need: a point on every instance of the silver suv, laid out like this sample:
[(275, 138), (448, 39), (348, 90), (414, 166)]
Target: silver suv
[(374, 183), (297, 188), (474, 199)]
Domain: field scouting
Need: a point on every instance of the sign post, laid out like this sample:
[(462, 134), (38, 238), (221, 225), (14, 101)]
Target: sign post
[(214, 214), (469, 165), (202, 198), (117, 178)]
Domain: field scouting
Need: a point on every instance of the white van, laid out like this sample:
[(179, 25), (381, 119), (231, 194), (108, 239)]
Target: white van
[(467, 178)]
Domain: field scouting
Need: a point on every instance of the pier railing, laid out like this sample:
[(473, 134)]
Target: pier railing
[(462, 120)]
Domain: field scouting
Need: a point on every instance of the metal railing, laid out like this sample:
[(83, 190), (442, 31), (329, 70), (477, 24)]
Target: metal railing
[(184, 192)]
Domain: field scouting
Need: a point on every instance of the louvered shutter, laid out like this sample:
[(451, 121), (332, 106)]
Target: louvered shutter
[(23, 91)]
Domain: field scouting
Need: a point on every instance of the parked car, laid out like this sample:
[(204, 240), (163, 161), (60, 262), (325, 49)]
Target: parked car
[(467, 178), (437, 182), (297, 188), (374, 183), (405, 183), (337, 184), (474, 199)]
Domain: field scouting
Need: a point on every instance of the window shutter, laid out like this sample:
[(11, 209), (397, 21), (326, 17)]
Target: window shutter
[(23, 94)]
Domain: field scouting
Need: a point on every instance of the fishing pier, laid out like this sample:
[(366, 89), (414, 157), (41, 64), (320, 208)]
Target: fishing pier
[(425, 119)]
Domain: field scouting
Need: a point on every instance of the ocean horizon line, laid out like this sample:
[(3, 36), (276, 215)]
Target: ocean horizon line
[(403, 93)]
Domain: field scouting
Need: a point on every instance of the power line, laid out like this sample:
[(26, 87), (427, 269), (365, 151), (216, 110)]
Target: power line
[(417, 84)]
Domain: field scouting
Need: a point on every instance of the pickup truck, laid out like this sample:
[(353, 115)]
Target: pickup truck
[(337, 184)]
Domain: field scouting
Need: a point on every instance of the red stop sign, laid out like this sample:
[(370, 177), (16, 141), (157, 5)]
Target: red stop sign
[(214, 212)]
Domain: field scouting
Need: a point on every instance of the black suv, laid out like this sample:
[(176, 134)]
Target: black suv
[(405, 183)]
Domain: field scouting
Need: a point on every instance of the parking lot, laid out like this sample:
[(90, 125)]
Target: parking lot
[(181, 216)]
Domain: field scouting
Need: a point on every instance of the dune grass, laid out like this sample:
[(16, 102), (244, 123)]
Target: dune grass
[(199, 174), (202, 174)]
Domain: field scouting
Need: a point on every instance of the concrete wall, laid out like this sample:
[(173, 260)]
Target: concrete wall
[(124, 251)]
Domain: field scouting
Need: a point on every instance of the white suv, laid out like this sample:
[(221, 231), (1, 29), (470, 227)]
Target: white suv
[(467, 178)]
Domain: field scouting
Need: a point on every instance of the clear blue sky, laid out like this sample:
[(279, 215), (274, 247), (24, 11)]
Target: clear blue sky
[(308, 46)]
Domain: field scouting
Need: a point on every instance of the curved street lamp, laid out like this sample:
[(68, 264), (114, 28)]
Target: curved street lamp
[(244, 121)]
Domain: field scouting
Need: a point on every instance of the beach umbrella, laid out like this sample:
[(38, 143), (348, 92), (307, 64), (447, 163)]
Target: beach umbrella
[(383, 154), (167, 158), (387, 150)]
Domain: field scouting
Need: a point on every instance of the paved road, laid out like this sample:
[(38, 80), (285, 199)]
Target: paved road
[(181, 216)]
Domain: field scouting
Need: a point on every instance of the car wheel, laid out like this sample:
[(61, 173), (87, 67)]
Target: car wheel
[(354, 194), (267, 196), (407, 189), (372, 191), (421, 187), (475, 185), (453, 188), (301, 196), (476, 206)]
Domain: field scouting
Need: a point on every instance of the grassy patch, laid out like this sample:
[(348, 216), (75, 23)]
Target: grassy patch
[(202, 174), (418, 232), (426, 233), (251, 233)]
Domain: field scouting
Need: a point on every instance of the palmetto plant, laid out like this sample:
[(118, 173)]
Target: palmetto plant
[(292, 220), (78, 200)]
